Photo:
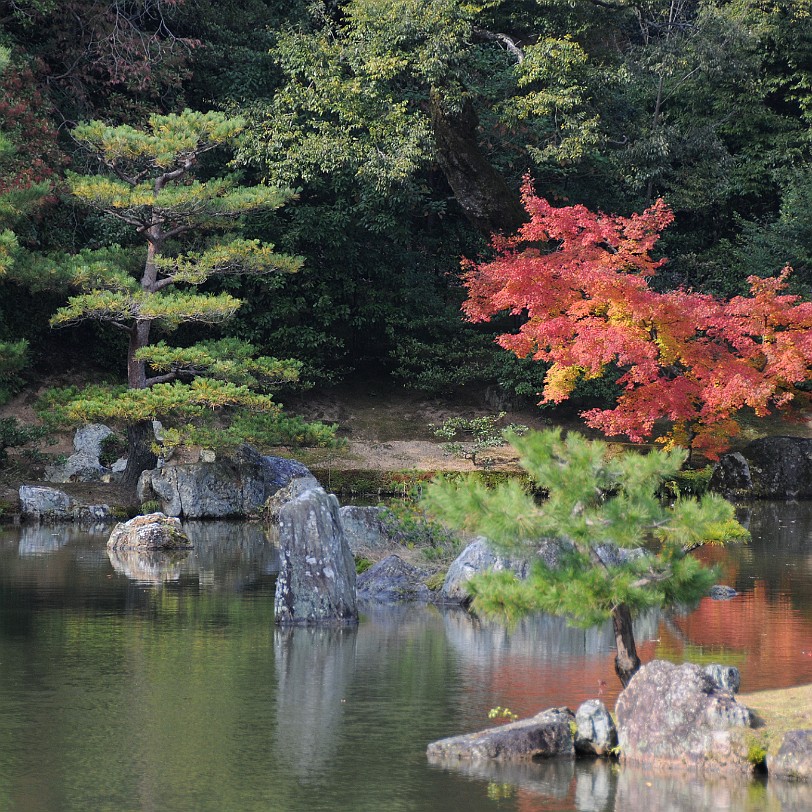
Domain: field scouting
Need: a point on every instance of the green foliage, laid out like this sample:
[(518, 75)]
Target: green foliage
[(502, 713), (482, 433), (595, 496), (14, 434), (407, 524), (362, 565), (13, 359), (113, 447)]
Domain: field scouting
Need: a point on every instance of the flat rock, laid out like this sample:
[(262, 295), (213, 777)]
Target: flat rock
[(154, 531), (546, 734), (794, 757), (673, 716)]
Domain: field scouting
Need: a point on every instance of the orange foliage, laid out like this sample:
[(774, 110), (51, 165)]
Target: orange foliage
[(579, 281)]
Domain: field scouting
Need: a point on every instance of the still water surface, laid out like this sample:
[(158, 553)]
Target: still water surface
[(136, 683)]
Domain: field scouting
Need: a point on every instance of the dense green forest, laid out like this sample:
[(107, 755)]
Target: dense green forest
[(403, 130)]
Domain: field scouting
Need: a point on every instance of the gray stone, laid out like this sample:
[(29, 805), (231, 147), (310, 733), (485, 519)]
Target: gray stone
[(364, 528), (43, 504), (794, 757), (477, 557), (316, 582), (83, 465), (78, 467), (155, 531), (546, 734), (676, 716), (769, 468), (727, 677), (721, 592), (295, 488), (88, 439), (596, 733), (228, 488), (392, 580), (613, 556)]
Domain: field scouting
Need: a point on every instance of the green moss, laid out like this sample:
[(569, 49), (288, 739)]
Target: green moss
[(435, 582), (362, 565)]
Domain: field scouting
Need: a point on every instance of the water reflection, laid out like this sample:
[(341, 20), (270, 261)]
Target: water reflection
[(314, 670), (148, 566), (148, 683)]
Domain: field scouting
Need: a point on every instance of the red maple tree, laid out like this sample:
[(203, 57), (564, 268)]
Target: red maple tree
[(579, 281)]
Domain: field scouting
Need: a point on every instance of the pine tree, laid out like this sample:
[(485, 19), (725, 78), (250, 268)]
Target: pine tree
[(146, 179), (623, 548)]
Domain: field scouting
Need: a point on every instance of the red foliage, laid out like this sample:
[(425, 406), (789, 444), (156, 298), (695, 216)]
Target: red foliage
[(25, 117), (579, 281)]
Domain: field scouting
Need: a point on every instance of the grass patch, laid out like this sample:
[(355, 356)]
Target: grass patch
[(781, 710)]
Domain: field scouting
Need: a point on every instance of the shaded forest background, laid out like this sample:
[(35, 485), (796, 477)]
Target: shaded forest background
[(406, 128)]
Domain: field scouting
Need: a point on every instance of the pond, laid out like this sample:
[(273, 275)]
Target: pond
[(136, 684)]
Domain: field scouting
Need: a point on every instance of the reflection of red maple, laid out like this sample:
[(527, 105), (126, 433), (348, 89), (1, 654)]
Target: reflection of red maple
[(772, 638), (580, 282)]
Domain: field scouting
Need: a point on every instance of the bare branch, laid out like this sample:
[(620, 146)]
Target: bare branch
[(508, 42)]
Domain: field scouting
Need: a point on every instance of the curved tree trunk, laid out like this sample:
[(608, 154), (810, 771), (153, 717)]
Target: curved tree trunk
[(627, 662), (482, 192), (140, 456)]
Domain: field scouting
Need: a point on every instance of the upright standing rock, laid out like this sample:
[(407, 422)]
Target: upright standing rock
[(316, 583)]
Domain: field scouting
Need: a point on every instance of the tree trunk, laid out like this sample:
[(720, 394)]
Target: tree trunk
[(140, 456), (482, 192), (626, 661)]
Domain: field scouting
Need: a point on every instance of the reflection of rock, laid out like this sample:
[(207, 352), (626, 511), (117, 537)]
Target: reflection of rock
[(676, 716), (539, 637), (314, 670), (642, 790), (595, 787), (151, 532), (722, 592), (245, 544), (548, 778), (543, 735), (38, 540), (316, 582), (148, 566)]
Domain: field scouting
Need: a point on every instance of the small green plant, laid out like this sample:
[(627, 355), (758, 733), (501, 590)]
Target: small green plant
[(362, 565), (150, 506), (113, 447), (14, 434), (477, 435), (407, 524), (502, 713), (435, 582)]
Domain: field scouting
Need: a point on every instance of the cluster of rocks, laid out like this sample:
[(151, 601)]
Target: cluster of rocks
[(669, 717)]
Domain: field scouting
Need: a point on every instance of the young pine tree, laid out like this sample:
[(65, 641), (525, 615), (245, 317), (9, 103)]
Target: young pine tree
[(623, 548), (191, 233)]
